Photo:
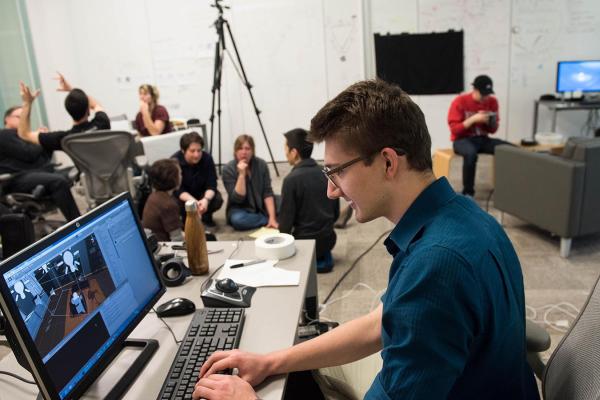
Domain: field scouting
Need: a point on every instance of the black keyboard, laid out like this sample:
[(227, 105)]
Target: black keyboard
[(211, 329)]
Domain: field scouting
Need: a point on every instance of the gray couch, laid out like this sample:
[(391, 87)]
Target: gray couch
[(560, 194)]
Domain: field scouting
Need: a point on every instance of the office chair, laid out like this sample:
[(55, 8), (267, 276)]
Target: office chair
[(35, 204), (106, 161), (573, 371)]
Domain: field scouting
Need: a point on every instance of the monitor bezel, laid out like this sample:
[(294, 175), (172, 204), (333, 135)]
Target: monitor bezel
[(559, 63), (17, 324)]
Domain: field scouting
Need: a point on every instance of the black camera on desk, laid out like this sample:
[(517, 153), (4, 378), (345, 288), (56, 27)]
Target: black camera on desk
[(226, 293)]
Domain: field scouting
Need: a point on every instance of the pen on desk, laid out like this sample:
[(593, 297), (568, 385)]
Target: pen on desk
[(246, 263)]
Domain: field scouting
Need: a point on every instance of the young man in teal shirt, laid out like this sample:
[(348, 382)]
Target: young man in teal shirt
[(451, 324)]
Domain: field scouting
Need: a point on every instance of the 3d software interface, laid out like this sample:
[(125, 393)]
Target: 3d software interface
[(79, 294)]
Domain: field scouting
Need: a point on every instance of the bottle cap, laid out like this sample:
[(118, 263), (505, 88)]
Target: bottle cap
[(191, 205)]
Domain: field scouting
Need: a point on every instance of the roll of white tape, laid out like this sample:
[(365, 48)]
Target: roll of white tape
[(274, 246)]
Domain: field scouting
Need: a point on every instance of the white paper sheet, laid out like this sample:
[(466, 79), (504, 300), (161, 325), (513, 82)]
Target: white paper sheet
[(258, 275)]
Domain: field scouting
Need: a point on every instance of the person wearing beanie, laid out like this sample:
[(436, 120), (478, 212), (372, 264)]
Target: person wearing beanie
[(472, 117)]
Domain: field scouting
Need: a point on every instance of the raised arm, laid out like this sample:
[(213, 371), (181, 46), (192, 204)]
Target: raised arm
[(24, 129), (65, 86)]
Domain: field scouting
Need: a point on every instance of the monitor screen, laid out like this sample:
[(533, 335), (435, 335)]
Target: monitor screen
[(73, 297), (574, 76)]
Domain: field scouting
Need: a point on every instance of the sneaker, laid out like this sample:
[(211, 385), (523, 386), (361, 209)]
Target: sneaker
[(209, 222), (344, 218), (325, 264)]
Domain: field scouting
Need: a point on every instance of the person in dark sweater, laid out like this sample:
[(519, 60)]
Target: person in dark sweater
[(306, 212), (31, 167), (250, 201), (199, 178), (161, 212), (78, 105)]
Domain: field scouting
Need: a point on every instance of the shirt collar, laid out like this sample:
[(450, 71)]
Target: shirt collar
[(307, 162), (418, 214)]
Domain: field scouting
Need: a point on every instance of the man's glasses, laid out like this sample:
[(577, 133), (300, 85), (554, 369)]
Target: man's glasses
[(332, 174)]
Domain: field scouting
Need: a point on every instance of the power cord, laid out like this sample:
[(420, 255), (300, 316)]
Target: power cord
[(235, 250), (168, 327), (354, 265), (17, 377), (561, 325)]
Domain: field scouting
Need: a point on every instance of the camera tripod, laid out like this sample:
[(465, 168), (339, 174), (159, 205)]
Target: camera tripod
[(221, 48)]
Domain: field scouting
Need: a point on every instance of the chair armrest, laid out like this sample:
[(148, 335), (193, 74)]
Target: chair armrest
[(536, 337), (5, 177), (540, 188)]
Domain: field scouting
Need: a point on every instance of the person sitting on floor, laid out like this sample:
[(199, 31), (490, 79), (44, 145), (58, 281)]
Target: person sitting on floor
[(306, 212), (250, 200), (161, 212), (199, 178)]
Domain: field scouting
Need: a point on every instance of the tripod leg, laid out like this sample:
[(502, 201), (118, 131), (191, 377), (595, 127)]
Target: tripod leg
[(219, 120), (249, 87), (215, 87)]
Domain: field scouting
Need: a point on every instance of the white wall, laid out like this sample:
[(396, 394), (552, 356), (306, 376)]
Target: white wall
[(296, 55), (299, 54), (516, 42)]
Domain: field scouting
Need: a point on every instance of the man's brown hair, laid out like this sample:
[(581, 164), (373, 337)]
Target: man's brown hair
[(373, 114), (188, 138), (164, 174)]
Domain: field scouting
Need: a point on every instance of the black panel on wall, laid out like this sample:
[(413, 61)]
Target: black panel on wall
[(422, 63)]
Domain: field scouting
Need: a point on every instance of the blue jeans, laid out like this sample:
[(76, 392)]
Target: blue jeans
[(243, 220)]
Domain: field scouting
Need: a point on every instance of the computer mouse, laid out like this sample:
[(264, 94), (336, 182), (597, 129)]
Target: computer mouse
[(175, 307), (227, 285)]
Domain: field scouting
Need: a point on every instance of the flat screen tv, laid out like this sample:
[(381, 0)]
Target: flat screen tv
[(72, 298), (578, 76)]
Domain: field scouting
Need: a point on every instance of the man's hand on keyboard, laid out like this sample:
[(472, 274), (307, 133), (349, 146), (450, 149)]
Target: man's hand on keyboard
[(223, 387), (253, 368)]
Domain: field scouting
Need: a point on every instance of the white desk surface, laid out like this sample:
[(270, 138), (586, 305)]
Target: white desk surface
[(270, 325)]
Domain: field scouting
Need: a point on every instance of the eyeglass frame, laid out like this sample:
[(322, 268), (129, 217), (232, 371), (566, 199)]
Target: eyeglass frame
[(329, 172)]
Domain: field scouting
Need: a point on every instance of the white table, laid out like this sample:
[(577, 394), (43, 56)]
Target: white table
[(270, 324)]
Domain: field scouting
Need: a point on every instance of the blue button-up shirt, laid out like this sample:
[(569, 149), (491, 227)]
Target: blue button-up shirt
[(453, 322)]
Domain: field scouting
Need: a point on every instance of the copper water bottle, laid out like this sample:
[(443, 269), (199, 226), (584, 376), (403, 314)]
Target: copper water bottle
[(195, 240)]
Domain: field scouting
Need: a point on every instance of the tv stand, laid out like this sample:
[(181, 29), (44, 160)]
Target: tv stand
[(561, 105)]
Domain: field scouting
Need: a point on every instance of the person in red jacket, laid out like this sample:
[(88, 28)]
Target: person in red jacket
[(472, 117)]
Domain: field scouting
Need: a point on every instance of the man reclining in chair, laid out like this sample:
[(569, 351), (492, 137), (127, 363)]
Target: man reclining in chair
[(30, 166), (78, 105)]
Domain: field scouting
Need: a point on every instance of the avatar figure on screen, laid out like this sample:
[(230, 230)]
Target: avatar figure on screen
[(24, 298)]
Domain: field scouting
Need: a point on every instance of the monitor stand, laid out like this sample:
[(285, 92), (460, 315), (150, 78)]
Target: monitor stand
[(148, 348)]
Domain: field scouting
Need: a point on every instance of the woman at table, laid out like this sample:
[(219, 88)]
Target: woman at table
[(250, 200), (152, 119)]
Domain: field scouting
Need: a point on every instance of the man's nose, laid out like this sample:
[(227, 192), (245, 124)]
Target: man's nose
[(333, 192)]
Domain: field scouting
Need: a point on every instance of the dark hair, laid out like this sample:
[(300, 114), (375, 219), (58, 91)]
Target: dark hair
[(296, 139), (240, 140), (10, 111), (187, 139), (373, 114), (77, 104), (164, 174)]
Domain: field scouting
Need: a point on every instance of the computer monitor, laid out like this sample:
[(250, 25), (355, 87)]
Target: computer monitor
[(72, 298), (578, 76)]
